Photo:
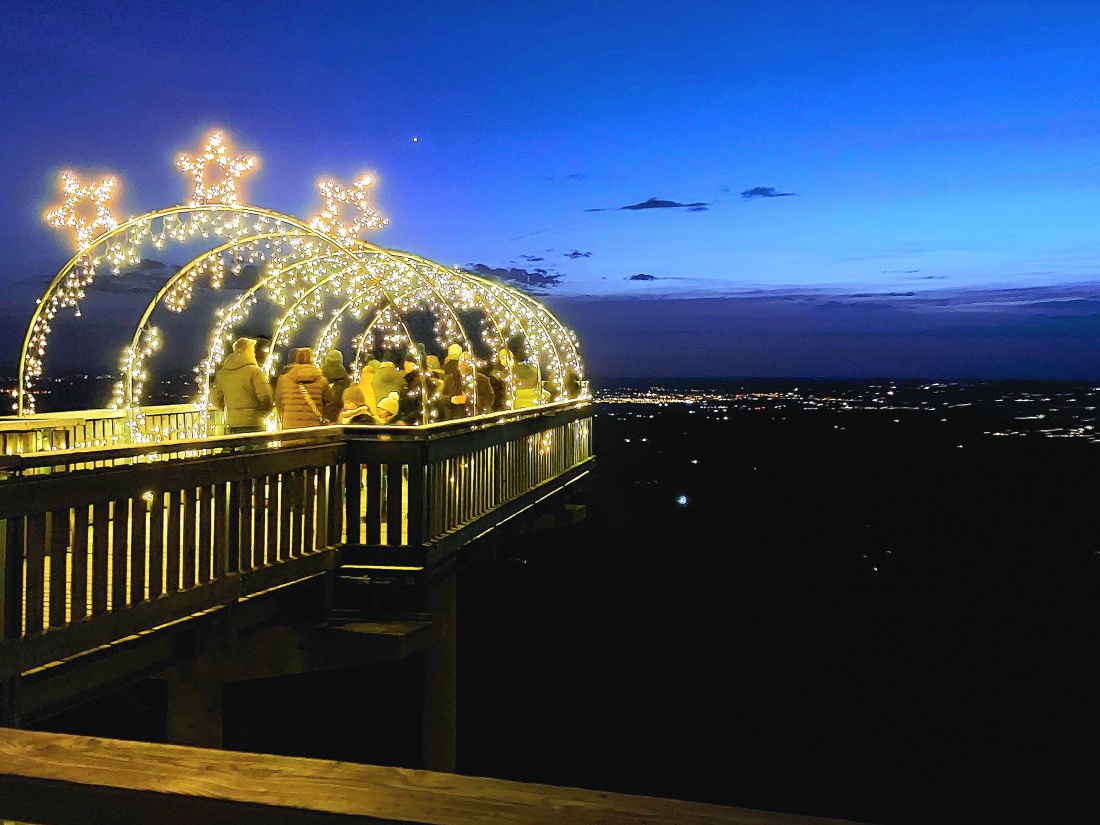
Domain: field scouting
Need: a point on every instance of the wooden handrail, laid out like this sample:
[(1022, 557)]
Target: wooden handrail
[(204, 446), (58, 779), (88, 535)]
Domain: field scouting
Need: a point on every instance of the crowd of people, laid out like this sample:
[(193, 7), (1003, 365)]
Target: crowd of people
[(419, 391)]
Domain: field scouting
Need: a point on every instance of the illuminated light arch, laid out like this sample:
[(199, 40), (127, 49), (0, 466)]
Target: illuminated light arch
[(542, 332), (554, 328), (303, 266), (118, 247), (145, 340)]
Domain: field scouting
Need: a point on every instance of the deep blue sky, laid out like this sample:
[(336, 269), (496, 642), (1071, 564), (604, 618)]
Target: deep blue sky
[(944, 149)]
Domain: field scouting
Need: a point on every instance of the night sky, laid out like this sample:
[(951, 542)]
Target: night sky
[(750, 188)]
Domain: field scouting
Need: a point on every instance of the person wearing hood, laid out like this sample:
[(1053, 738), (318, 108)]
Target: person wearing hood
[(467, 392), (454, 355), (366, 385), (355, 409), (242, 390), (386, 380), (527, 384), (336, 375), (302, 395), (411, 394), (500, 376)]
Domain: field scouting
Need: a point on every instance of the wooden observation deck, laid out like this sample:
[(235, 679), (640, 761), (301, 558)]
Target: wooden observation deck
[(122, 561)]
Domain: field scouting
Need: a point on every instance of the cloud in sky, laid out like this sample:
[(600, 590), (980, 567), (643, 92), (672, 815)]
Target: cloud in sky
[(764, 192), (657, 203), (642, 276), (576, 254), (534, 281), (531, 258)]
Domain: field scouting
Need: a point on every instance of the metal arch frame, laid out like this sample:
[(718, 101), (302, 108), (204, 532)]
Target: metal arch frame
[(496, 296), (137, 222), (512, 293), (182, 273)]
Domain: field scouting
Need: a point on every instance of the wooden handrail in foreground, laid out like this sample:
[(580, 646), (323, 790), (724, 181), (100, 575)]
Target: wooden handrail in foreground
[(57, 779)]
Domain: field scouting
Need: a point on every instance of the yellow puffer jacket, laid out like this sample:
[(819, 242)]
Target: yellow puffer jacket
[(294, 410)]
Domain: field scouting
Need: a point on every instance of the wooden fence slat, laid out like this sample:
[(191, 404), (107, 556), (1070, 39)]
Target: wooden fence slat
[(206, 518), (220, 551), (271, 513), (323, 526), (188, 562), (11, 600), (285, 482), (100, 576), (172, 544), (259, 540), (244, 510), (299, 545), (156, 545), (59, 575), (393, 504), (233, 527), (336, 502), (120, 548), (79, 599), (353, 492), (374, 502), (309, 504), (36, 572), (139, 520), (416, 503)]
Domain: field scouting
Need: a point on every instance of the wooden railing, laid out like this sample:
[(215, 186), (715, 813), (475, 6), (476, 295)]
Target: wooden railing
[(429, 482), (83, 429), (100, 543), (55, 779)]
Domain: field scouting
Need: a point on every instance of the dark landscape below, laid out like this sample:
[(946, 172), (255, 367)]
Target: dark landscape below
[(882, 609)]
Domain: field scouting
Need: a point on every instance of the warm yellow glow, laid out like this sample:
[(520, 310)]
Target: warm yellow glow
[(326, 283), (67, 214), (355, 196), (225, 190)]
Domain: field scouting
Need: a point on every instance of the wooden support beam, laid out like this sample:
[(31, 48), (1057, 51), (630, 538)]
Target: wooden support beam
[(55, 779), (195, 703), (439, 705)]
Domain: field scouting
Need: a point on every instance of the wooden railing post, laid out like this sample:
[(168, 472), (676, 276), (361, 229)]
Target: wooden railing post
[(352, 493), (419, 514), (11, 578)]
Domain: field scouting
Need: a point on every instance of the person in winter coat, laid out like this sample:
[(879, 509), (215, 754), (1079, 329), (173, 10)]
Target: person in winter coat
[(242, 390), (336, 375), (500, 376), (467, 392), (355, 409), (386, 380), (388, 408), (527, 385), (434, 378), (454, 355), (366, 385), (302, 394), (411, 395)]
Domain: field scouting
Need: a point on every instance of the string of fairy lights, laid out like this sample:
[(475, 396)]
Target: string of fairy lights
[(318, 272)]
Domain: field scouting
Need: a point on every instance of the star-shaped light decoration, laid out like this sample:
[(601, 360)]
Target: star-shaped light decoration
[(88, 228), (355, 196), (225, 190)]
